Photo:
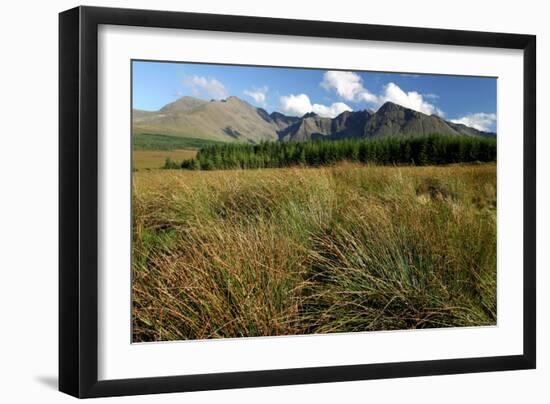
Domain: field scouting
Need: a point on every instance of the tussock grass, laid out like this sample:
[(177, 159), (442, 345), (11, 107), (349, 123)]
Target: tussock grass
[(312, 250)]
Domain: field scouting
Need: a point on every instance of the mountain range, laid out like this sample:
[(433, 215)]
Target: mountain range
[(234, 119)]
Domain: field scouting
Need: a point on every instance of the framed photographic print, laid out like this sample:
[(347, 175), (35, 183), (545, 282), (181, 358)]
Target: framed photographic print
[(252, 202)]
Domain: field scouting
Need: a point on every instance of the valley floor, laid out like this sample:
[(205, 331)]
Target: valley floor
[(289, 251), (153, 159)]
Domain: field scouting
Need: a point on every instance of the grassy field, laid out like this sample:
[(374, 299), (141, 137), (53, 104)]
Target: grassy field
[(151, 141), (143, 159), (288, 251)]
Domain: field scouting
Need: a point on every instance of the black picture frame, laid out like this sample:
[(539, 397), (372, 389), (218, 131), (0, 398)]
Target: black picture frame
[(78, 201)]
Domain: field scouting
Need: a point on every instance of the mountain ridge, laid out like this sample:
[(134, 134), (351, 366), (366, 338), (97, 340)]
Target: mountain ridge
[(233, 119)]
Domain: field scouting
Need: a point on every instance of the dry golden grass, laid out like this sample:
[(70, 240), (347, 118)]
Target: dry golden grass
[(150, 159), (312, 250)]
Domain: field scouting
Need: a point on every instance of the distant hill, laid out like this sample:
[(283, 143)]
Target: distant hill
[(233, 119), (224, 120)]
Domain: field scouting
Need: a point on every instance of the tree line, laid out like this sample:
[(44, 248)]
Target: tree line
[(414, 150)]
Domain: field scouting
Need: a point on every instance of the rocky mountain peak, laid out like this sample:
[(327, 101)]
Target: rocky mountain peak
[(184, 103), (389, 106)]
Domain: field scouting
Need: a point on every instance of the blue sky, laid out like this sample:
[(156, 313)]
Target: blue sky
[(468, 100)]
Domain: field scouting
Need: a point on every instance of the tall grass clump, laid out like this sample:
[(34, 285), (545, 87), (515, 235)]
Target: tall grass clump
[(344, 248)]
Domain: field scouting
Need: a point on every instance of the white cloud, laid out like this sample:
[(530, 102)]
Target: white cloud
[(259, 95), (347, 85), (431, 96), (411, 99), (331, 111), (480, 121), (297, 105), (300, 104), (208, 87)]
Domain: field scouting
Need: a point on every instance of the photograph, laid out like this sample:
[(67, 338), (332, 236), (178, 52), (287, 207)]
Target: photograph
[(272, 201)]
